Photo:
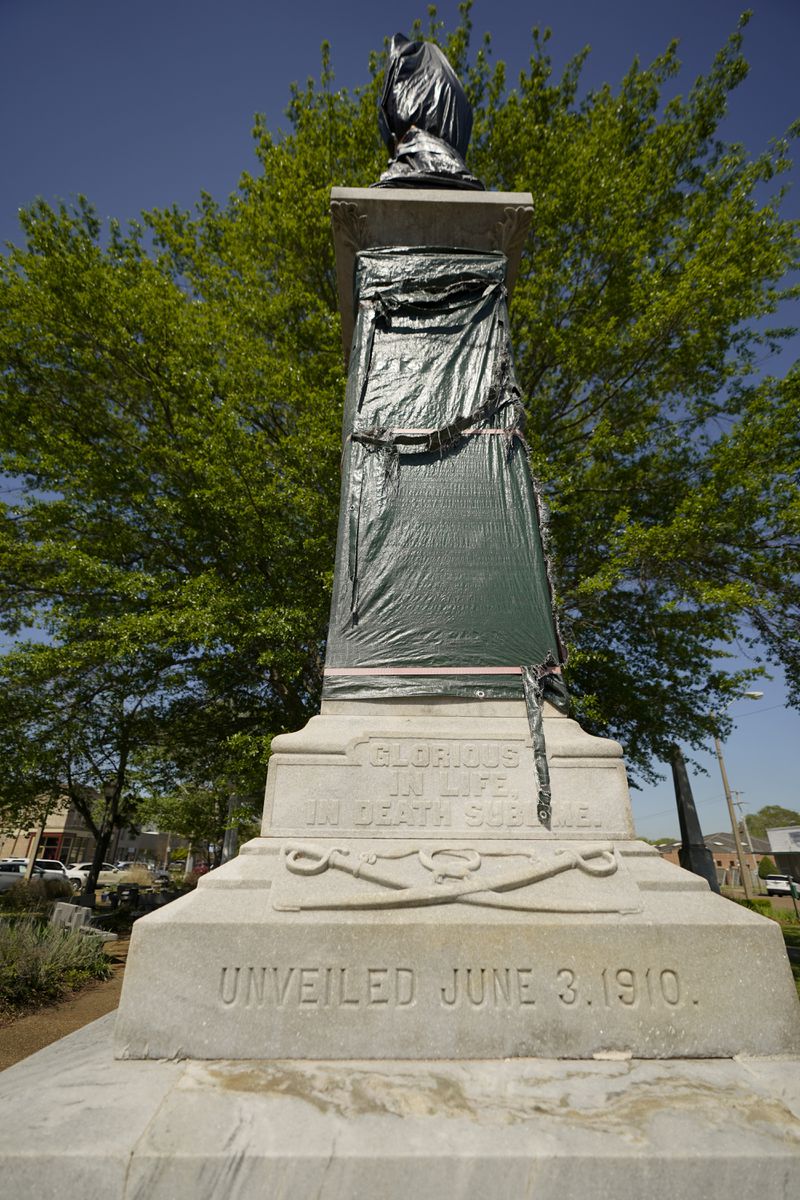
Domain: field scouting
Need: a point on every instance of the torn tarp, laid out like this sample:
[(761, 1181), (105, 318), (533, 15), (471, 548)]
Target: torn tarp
[(441, 585)]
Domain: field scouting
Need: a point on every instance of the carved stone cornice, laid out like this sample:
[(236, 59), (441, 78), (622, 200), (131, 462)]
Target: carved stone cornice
[(349, 224), (509, 233)]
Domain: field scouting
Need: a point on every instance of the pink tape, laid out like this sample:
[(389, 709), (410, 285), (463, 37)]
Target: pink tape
[(433, 671)]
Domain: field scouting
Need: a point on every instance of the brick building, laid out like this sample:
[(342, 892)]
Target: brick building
[(67, 839), (723, 851)]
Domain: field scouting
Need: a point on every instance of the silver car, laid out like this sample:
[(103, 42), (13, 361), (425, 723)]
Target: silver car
[(14, 872)]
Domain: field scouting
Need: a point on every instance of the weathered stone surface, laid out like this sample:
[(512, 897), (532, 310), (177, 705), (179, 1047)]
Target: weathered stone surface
[(70, 1113), (442, 769), (414, 935), (74, 1122), (224, 974)]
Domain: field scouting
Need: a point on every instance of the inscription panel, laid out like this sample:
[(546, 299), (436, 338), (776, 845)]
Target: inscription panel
[(656, 989), (321, 985), (389, 787)]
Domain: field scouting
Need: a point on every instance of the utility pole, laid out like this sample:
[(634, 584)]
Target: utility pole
[(739, 805), (748, 891), (734, 823), (693, 855)]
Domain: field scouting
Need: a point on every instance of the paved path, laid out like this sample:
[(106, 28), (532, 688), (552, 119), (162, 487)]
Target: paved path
[(28, 1034)]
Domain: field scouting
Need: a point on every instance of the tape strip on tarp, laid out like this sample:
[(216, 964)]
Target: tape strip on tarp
[(423, 670)]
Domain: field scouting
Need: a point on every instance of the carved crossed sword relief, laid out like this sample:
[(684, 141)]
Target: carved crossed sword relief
[(457, 872)]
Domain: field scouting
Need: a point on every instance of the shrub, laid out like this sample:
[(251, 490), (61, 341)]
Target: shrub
[(766, 867), (40, 963), (138, 873), (36, 897)]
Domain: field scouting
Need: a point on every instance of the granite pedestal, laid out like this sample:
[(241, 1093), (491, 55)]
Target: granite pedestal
[(404, 901)]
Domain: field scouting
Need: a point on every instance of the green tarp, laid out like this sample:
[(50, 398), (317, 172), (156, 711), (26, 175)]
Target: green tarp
[(441, 583)]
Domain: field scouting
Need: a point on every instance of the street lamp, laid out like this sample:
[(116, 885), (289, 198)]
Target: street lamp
[(729, 798)]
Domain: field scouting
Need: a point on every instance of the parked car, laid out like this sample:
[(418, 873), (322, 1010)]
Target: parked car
[(14, 872), (780, 885), (53, 869), (48, 868), (78, 873)]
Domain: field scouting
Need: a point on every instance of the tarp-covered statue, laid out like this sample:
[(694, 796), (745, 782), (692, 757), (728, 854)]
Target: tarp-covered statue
[(425, 119), (441, 584)]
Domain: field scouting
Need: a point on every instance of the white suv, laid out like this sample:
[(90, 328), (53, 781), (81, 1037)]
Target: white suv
[(48, 868), (780, 885), (79, 873)]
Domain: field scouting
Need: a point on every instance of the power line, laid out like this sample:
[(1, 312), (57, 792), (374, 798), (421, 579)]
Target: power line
[(667, 811), (755, 711)]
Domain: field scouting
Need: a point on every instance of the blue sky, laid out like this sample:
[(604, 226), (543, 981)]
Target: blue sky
[(145, 105)]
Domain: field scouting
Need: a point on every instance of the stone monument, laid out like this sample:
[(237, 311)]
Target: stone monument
[(447, 896), (447, 867)]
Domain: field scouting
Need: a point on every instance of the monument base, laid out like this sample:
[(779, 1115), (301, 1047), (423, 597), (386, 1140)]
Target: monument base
[(378, 996), (678, 972), (406, 902), (75, 1122)]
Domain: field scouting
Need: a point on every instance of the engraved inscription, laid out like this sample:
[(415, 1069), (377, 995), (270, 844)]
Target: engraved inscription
[(623, 988), (568, 993), (443, 754), (575, 816), (443, 769), (407, 808), (463, 987), (435, 773), (393, 785), (316, 987), (651, 987), (478, 987), (414, 813)]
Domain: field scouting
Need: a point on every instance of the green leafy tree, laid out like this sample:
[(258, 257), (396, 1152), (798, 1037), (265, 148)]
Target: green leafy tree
[(766, 867), (203, 815), (170, 407), (70, 731), (669, 463), (203, 776), (771, 816)]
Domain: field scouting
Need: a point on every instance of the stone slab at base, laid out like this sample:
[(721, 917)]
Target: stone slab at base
[(74, 1122)]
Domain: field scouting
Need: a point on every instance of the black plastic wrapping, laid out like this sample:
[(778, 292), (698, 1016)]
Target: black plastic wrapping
[(425, 119), (441, 586), (533, 687)]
